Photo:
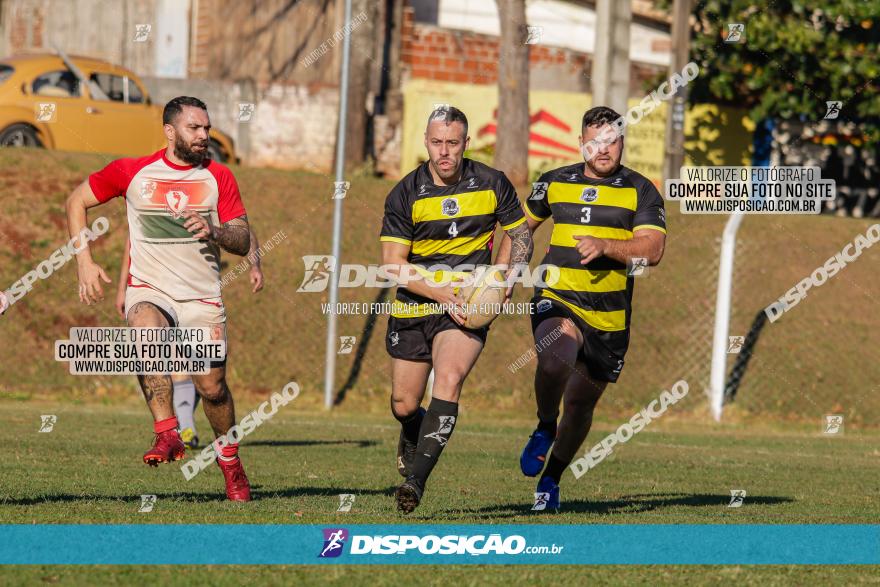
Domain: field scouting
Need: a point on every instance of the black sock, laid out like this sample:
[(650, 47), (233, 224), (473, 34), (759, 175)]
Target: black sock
[(411, 425), (437, 427), (547, 426), (555, 468)]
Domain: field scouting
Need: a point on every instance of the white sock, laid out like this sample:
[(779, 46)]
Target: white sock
[(185, 403)]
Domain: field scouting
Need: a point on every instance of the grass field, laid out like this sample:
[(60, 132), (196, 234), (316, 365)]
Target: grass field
[(88, 470), (680, 470)]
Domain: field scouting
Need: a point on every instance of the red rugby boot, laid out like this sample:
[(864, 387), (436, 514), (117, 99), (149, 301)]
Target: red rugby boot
[(237, 486), (167, 447)]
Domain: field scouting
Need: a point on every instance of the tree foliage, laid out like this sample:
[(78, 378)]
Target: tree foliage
[(794, 57)]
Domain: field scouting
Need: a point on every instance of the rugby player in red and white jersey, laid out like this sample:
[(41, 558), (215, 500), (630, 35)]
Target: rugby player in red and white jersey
[(184, 393), (182, 209)]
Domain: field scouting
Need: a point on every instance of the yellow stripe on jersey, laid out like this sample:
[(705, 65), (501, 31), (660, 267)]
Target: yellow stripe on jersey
[(441, 276), (463, 245), (607, 321), (604, 281), (561, 193), (649, 227), (563, 234), (469, 204), (513, 224), (394, 239)]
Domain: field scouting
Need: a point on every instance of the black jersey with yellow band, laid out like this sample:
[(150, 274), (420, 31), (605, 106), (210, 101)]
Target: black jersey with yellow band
[(447, 226), (610, 208)]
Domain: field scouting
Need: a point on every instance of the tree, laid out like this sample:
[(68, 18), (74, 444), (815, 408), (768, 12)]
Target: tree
[(793, 59), (512, 146), (360, 68)]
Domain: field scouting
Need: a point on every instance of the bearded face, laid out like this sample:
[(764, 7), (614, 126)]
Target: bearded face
[(189, 135), (192, 151)]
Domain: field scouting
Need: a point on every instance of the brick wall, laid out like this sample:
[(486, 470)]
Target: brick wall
[(201, 16), (26, 26), (431, 52)]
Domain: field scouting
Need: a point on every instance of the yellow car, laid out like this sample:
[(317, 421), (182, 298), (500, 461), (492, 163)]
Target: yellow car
[(83, 104)]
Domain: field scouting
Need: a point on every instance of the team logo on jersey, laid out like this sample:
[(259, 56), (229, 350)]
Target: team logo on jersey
[(449, 207), (539, 190), (176, 201), (573, 177), (148, 187), (543, 306), (394, 337), (618, 181), (471, 184), (423, 189), (590, 195)]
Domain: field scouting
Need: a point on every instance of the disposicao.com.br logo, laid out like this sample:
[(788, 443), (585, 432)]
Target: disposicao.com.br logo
[(432, 544)]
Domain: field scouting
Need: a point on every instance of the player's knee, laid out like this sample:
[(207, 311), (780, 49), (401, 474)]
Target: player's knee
[(449, 380), (551, 366), (213, 391), (404, 408), (581, 403)]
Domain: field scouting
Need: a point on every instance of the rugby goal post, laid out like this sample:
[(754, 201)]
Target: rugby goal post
[(722, 315)]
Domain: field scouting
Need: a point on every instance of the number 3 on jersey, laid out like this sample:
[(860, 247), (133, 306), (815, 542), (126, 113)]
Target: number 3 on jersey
[(585, 214), (453, 230)]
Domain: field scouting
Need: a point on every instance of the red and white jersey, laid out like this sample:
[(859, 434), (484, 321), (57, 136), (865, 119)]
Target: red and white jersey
[(164, 254)]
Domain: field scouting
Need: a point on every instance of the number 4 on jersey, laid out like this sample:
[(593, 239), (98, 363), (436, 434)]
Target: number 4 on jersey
[(453, 230)]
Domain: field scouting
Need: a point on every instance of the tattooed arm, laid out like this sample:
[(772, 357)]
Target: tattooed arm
[(233, 236), (254, 256), (516, 250), (521, 245)]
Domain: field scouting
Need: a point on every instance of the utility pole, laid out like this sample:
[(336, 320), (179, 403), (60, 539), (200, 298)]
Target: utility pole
[(610, 79), (681, 42)]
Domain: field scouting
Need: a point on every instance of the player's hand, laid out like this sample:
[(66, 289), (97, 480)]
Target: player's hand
[(90, 276), (256, 275), (120, 302), (200, 227), (589, 247), (449, 297)]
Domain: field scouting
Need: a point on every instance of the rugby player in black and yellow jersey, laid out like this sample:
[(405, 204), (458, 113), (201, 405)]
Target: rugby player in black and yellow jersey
[(606, 218), (439, 223)]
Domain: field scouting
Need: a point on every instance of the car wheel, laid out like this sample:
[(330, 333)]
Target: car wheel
[(19, 135), (215, 151)]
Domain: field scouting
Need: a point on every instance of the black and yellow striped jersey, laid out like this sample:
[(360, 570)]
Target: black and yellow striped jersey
[(611, 208), (447, 226)]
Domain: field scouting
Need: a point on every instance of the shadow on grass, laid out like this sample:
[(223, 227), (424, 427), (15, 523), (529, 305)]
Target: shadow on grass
[(627, 504), (200, 496), (357, 443)]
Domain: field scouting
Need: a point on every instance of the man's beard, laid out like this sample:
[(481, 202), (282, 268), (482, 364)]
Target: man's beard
[(600, 173), (448, 174), (183, 152)]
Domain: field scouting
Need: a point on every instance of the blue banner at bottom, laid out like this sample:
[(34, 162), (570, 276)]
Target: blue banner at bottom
[(692, 544)]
